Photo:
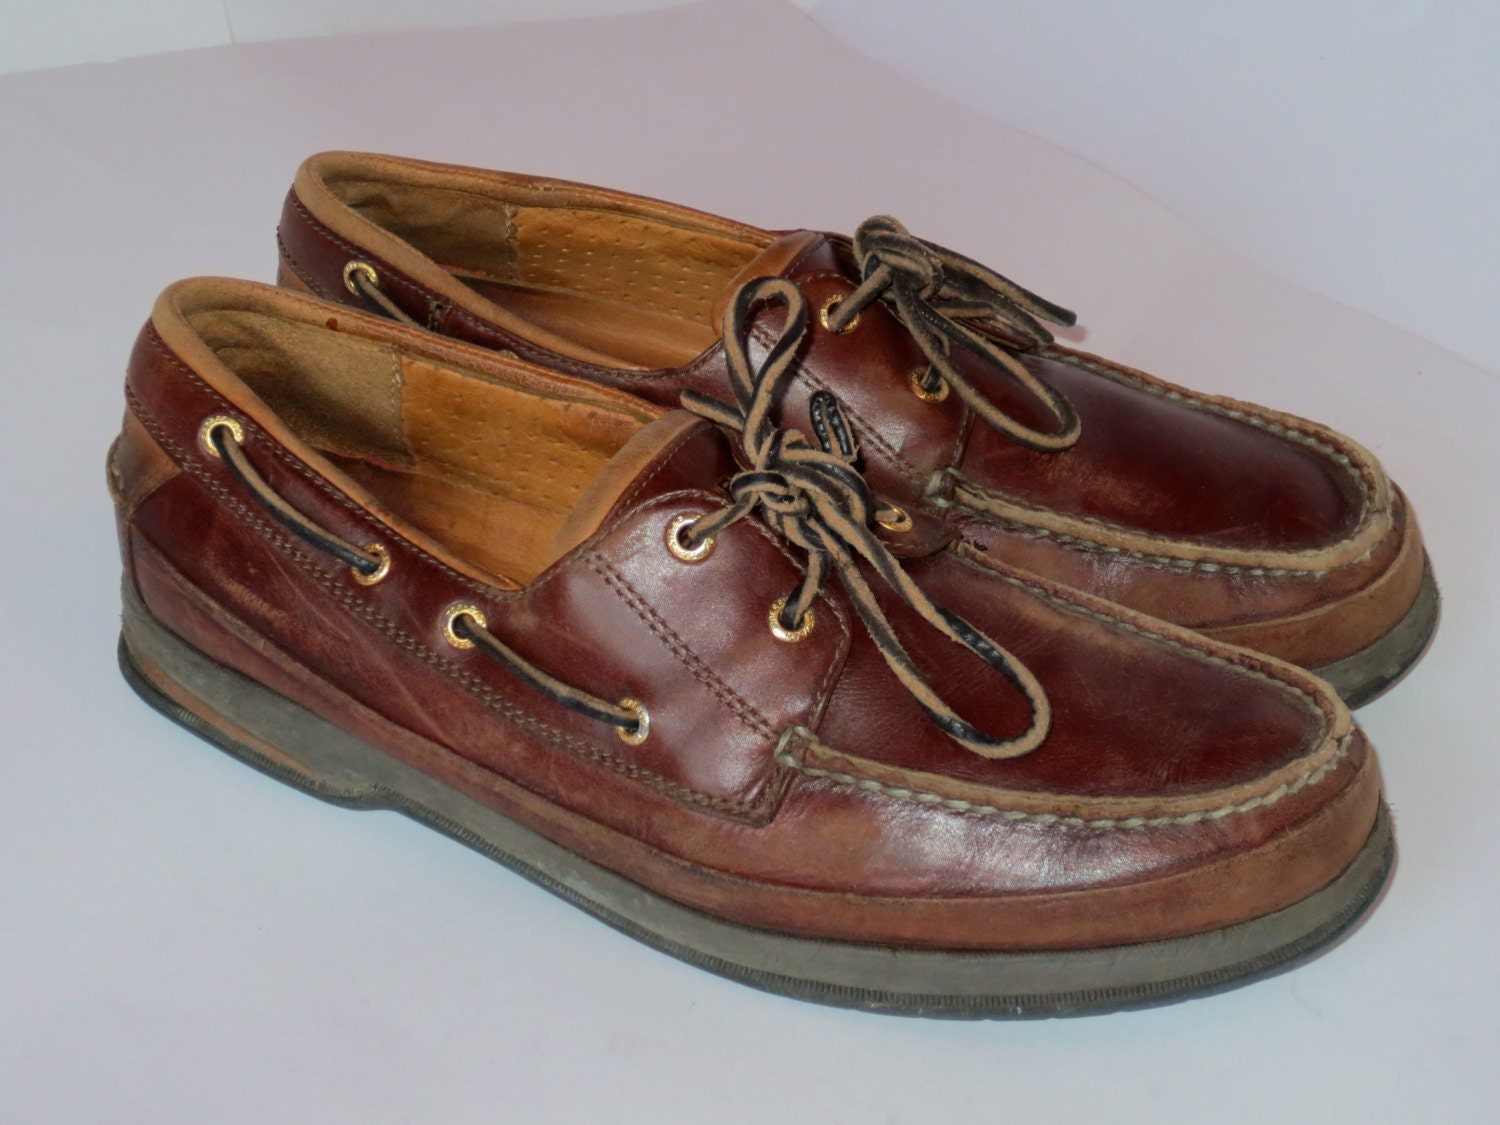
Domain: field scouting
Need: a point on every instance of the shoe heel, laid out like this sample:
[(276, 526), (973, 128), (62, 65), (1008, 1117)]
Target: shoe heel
[(253, 723)]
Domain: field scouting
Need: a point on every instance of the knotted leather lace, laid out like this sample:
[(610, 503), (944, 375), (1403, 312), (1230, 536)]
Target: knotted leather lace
[(815, 499), (812, 497), (936, 292)]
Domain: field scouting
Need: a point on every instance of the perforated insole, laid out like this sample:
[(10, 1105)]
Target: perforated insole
[(628, 335)]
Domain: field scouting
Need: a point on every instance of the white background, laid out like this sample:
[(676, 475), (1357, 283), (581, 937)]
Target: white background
[(1352, 146), (183, 940)]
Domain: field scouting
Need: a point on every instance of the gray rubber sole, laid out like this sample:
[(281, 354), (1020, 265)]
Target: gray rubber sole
[(1374, 670), (330, 763)]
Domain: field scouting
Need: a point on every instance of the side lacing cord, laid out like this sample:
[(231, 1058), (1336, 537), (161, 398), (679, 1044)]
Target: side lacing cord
[(367, 287), (465, 625), (366, 562), (934, 291), (815, 499)]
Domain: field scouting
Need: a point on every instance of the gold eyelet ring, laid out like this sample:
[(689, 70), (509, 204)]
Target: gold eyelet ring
[(365, 270), (829, 305), (212, 423), (451, 616), (900, 521), (781, 632), (680, 549), (379, 572), (642, 729), (918, 380)]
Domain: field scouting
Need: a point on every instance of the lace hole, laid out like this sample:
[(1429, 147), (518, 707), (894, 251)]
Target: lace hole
[(450, 621), (212, 423), (919, 387), (364, 270), (899, 519), (781, 632), (826, 311), (379, 572), (642, 729), (680, 549)]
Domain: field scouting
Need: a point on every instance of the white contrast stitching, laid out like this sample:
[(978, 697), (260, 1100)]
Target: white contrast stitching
[(971, 490), (1197, 403), (966, 554), (1332, 452), (970, 808)]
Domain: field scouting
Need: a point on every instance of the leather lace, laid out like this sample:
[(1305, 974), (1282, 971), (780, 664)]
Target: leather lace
[(229, 451), (936, 293), (467, 626), (815, 499), (371, 291)]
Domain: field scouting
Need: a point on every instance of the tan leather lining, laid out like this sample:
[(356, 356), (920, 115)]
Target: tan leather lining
[(609, 333), (627, 259), (502, 490), (464, 230), (339, 394), (636, 289), (324, 182), (410, 431)]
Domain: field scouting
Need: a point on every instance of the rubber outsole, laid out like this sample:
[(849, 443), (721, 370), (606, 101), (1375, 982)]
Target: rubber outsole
[(1375, 669), (291, 744)]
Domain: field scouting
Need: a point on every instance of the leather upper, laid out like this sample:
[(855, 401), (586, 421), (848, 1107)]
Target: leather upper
[(1183, 785), (1217, 514)]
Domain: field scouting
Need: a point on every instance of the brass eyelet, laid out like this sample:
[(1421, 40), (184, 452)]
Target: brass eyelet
[(781, 632), (829, 305), (642, 729), (379, 572), (212, 423), (918, 380), (680, 549), (365, 270), (898, 521), (451, 616)]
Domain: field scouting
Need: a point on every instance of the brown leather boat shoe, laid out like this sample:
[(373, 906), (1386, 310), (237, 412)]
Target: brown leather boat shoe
[(685, 684), (1249, 525)]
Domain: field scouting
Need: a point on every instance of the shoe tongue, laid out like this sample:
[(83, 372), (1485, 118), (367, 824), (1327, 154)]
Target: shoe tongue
[(794, 253), (677, 451)]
